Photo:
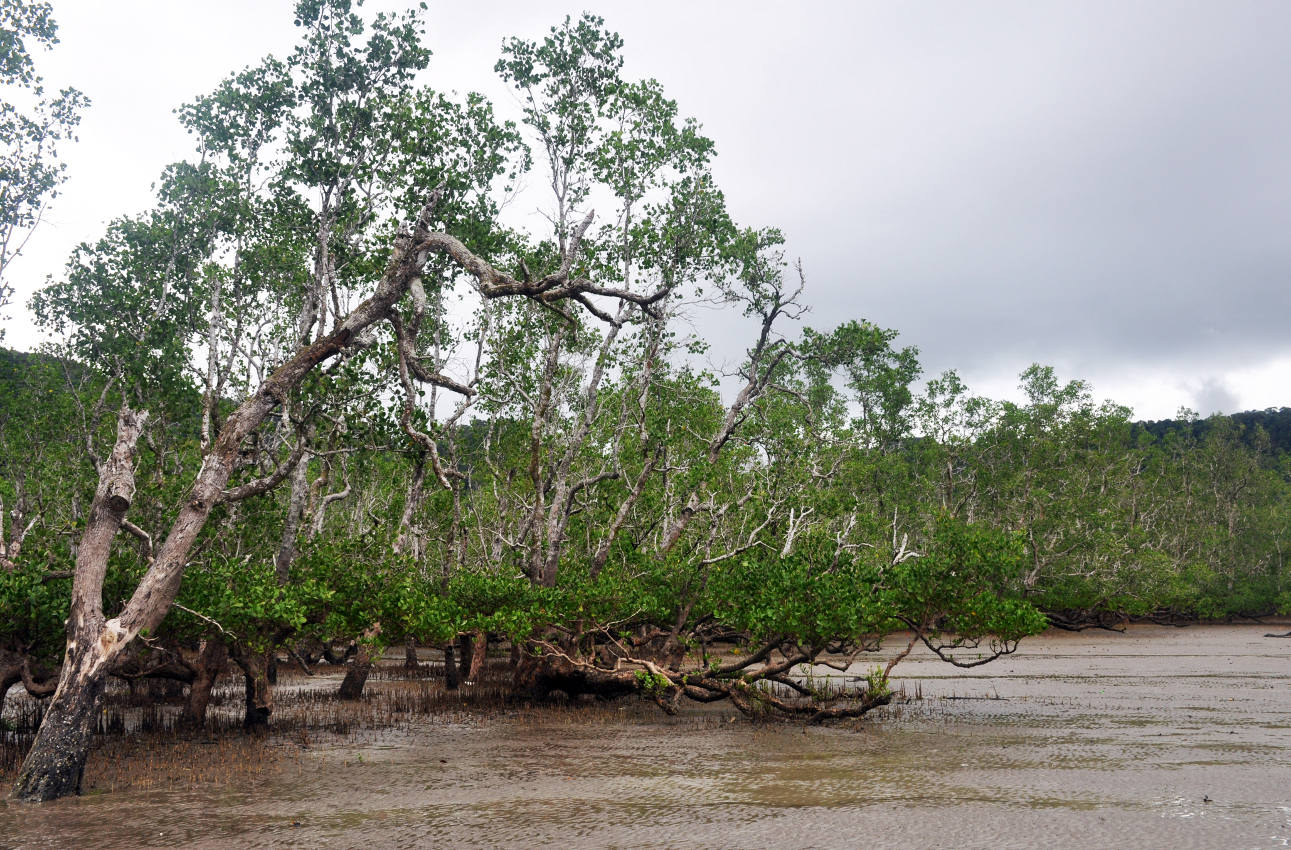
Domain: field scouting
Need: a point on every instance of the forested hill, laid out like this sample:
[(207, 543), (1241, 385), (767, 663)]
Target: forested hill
[(29, 379), (35, 392), (20, 369), (1273, 422)]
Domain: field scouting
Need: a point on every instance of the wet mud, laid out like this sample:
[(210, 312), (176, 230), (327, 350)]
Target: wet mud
[(1154, 738)]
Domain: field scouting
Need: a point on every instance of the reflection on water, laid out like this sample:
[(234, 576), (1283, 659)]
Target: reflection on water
[(1156, 738)]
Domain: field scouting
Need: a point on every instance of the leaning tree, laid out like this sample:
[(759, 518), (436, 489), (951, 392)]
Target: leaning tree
[(642, 518), (402, 271)]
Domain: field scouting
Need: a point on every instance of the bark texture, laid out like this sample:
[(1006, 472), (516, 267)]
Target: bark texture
[(357, 675), (259, 693), (475, 649), (56, 761), (210, 663)]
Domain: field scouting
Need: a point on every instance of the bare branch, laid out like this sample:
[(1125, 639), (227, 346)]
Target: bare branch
[(262, 485), (204, 618), (408, 353), (491, 283), (144, 537)]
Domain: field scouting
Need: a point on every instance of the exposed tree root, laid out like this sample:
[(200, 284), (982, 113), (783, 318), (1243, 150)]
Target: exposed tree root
[(763, 682)]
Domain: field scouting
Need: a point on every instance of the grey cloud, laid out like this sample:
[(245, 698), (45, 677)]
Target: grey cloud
[(1100, 186), (1214, 396)]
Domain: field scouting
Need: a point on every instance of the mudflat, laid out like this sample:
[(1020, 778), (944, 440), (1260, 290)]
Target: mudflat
[(1153, 738)]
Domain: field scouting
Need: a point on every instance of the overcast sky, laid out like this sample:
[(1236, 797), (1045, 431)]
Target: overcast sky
[(1100, 186)]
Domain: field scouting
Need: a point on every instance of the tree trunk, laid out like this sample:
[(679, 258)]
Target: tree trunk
[(409, 656), (466, 646), (357, 674), (56, 762), (406, 540), (478, 651), (207, 667), (295, 514), (450, 667), (259, 695)]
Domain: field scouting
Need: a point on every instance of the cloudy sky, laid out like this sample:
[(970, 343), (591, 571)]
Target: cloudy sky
[(1100, 186)]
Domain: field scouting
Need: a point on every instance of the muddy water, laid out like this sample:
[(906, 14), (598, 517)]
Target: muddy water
[(1157, 738)]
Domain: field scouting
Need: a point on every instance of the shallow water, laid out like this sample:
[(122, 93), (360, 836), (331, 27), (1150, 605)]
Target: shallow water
[(1159, 737)]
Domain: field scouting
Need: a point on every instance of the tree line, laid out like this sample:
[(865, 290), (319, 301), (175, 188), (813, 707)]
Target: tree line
[(1255, 426), (323, 399)]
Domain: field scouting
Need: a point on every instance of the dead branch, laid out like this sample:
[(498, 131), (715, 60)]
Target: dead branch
[(267, 483)]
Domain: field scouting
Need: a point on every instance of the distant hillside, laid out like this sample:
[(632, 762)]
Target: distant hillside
[(17, 366), (1276, 422), (30, 378)]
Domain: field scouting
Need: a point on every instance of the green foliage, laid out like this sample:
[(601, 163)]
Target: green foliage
[(878, 375), (652, 684), (967, 582), (830, 504), (876, 684), (248, 603), (794, 598), (32, 127), (32, 610)]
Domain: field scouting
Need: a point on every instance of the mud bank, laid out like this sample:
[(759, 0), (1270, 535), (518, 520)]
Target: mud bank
[(1155, 738)]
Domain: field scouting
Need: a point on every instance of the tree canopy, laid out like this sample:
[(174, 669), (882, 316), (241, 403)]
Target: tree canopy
[(353, 405)]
